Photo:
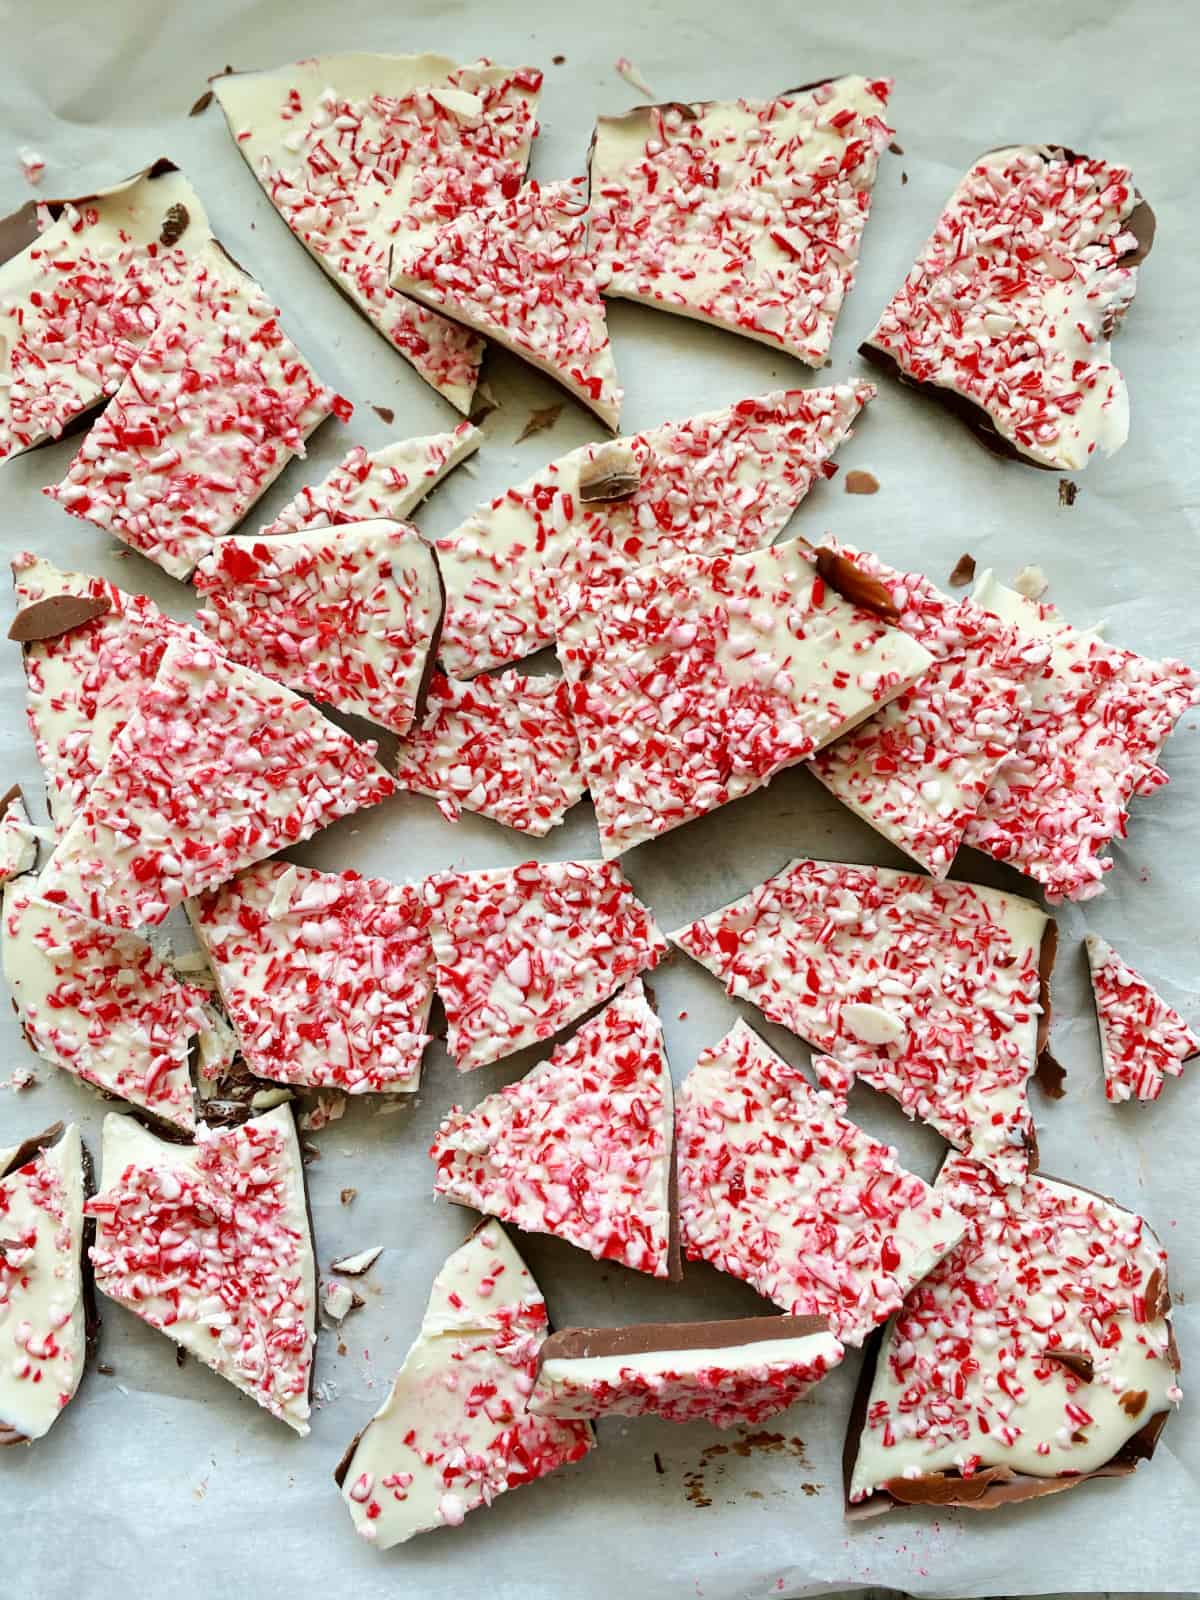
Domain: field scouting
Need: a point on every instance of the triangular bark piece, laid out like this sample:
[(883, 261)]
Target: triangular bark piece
[(918, 770), (390, 482), (722, 480), (218, 767), (581, 1146), (521, 275), (1039, 1354), (694, 682), (356, 151), (934, 993), (217, 403), (101, 1005), (745, 214), (82, 286), (43, 1305), (1143, 1040), (1090, 742), (327, 977), (778, 1189), (454, 1432), (503, 746), (210, 1243), (347, 614), (523, 951)]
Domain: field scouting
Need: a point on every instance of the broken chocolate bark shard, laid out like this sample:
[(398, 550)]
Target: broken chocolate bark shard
[(56, 615), (614, 473), (643, 1338)]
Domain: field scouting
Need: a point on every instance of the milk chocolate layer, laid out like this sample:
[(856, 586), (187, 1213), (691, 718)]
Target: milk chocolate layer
[(56, 615), (576, 1344)]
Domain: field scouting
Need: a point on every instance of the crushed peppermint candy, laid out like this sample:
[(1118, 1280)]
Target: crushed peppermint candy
[(327, 977), (740, 1372), (1143, 1040), (216, 404), (31, 163), (1032, 582), (356, 152), (930, 992), (43, 1310), (521, 274), (523, 951), (79, 302), (210, 1244), (454, 1432), (632, 76), (1090, 742), (1036, 1351), (777, 1188), (346, 614), (101, 1005), (504, 747), (83, 685), (695, 681), (722, 480), (918, 770), (217, 768), (1011, 303), (746, 214), (581, 1147), (389, 483)]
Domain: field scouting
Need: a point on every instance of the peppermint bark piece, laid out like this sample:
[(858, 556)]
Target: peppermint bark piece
[(327, 977), (43, 1302), (356, 151), (778, 1189), (101, 1005), (918, 770), (723, 480), (1099, 718), (454, 1432), (85, 679), (82, 286), (740, 1372), (348, 614), (389, 483), (697, 680), (504, 747), (217, 403), (1008, 312), (217, 768), (1142, 1038), (520, 273), (581, 1147), (934, 993), (18, 841), (210, 1243), (1038, 1355), (745, 214), (523, 951)]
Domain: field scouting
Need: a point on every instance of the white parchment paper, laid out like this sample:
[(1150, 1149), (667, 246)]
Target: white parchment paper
[(163, 1480)]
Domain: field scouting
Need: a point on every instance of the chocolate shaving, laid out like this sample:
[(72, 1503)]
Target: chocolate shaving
[(1067, 492), (1076, 1361), (559, 60), (896, 149), (348, 1196), (385, 414), (56, 615), (485, 403), (903, 179), (612, 474), (174, 224), (539, 422), (854, 585), (1051, 1075), (858, 482), (106, 1370), (31, 1147), (658, 1466), (202, 104), (964, 571), (1133, 1402)]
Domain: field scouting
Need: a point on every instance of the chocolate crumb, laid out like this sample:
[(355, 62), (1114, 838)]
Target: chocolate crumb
[(385, 414), (558, 60), (658, 1466), (964, 571), (1067, 492), (903, 179), (180, 1355), (105, 1370), (811, 1489), (202, 104), (861, 483), (896, 149), (693, 1487), (1133, 1402), (341, 1349), (348, 1196), (539, 422), (309, 1152), (1051, 1075), (174, 224)]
